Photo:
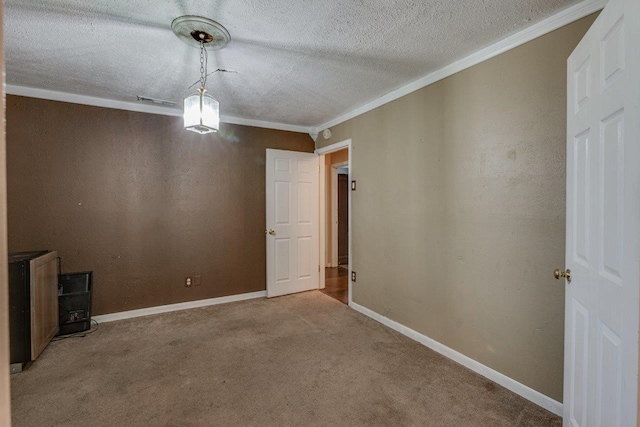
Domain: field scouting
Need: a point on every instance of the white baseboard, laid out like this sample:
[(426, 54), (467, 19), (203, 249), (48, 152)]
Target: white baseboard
[(175, 307), (509, 383)]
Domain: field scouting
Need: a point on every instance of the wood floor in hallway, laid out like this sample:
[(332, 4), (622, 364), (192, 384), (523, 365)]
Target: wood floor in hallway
[(337, 283)]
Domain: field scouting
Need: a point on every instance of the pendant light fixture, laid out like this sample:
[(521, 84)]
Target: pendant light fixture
[(201, 110)]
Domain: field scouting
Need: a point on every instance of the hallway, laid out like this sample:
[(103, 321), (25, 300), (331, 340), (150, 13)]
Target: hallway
[(337, 284)]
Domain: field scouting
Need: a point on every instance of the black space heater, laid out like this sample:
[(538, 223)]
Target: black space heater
[(74, 302)]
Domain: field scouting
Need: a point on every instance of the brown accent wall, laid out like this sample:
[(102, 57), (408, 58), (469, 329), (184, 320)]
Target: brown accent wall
[(459, 216), (140, 201)]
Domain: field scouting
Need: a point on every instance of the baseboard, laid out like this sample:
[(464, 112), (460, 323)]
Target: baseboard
[(176, 307), (509, 383)]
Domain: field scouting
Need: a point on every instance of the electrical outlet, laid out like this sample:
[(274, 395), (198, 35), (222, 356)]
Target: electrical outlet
[(353, 276), (197, 280), (188, 282)]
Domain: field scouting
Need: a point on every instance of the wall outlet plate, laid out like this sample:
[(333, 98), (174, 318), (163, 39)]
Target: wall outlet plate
[(353, 185), (188, 282), (353, 276)]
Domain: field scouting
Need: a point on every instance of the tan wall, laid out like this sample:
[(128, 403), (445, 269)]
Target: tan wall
[(331, 159), (5, 401), (338, 156), (459, 216), (140, 201)]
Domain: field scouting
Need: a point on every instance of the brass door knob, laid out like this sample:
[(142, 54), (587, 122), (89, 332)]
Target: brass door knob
[(270, 231), (566, 274)]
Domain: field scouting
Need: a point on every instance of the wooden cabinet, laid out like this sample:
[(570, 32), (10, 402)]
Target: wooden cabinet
[(33, 304), (44, 301)]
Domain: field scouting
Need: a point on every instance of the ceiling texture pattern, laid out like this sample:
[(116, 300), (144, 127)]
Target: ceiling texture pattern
[(298, 62)]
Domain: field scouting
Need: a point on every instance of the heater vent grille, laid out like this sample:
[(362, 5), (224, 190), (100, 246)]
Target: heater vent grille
[(156, 101)]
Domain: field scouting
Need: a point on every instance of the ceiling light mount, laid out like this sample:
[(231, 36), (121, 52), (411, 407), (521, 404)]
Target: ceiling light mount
[(201, 110), (201, 36), (194, 30)]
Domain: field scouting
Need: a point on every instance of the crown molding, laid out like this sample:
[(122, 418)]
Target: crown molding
[(262, 124), (74, 98), (541, 28)]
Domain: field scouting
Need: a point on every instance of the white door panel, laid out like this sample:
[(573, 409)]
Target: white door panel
[(603, 216), (292, 195)]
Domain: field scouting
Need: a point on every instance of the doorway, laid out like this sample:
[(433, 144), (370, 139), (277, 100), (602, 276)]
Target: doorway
[(343, 216), (335, 194), (305, 186), (336, 272)]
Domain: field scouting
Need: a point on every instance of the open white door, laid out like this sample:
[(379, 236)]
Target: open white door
[(293, 263), (603, 216)]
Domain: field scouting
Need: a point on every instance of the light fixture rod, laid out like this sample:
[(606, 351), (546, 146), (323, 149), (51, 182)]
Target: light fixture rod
[(204, 62)]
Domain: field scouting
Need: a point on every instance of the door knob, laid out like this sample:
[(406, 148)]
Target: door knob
[(271, 231), (558, 274)]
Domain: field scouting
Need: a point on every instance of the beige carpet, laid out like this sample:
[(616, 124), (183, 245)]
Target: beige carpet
[(302, 360)]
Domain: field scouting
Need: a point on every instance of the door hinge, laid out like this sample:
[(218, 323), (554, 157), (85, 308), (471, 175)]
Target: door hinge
[(318, 268)]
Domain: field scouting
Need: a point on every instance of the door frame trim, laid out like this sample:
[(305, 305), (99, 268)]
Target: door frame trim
[(347, 143)]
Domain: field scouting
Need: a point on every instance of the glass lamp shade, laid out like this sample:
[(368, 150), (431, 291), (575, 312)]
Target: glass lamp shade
[(201, 113)]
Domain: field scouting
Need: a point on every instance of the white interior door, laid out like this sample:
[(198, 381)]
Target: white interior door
[(293, 262), (603, 214)]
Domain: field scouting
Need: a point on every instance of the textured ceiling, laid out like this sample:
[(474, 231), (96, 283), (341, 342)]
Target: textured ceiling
[(299, 62)]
